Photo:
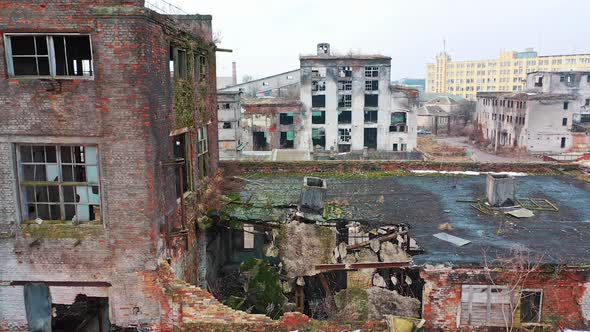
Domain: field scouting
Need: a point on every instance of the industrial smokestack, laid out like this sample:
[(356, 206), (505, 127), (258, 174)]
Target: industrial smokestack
[(234, 74)]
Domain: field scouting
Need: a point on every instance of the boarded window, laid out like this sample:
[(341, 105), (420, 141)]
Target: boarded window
[(485, 305)]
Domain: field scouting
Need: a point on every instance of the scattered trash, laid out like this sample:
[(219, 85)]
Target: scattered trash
[(445, 227), (452, 239), (39, 221)]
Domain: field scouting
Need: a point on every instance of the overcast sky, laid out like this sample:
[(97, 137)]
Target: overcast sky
[(267, 36)]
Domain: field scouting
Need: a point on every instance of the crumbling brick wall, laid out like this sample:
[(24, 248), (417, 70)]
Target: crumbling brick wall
[(126, 109), (562, 306)]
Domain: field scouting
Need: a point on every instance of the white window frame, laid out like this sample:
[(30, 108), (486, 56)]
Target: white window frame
[(51, 55)]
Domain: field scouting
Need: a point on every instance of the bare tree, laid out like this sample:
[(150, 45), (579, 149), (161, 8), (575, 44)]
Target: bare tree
[(246, 78), (511, 271)]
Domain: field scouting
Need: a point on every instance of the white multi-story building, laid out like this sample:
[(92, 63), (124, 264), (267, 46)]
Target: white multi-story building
[(548, 117)]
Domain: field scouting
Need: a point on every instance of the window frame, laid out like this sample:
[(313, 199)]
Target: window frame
[(202, 155), (50, 55), (60, 184)]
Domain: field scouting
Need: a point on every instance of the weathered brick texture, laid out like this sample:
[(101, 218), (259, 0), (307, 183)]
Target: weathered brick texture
[(127, 110)]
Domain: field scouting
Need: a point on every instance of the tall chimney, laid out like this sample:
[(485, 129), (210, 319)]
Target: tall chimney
[(234, 74), (500, 190)]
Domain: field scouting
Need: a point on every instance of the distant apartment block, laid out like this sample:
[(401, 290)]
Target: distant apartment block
[(551, 116), (506, 73), (229, 133), (350, 103)]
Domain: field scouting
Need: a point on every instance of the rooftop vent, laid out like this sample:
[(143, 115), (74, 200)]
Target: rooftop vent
[(323, 49), (500, 190), (313, 194)]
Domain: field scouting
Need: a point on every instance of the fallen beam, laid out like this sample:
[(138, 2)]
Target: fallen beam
[(357, 266)]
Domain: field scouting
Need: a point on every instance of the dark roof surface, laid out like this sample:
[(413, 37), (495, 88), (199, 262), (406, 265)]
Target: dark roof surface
[(425, 202)]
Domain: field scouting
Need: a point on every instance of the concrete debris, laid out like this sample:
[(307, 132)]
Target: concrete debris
[(378, 281), (452, 239), (385, 302), (368, 256), (391, 253), (303, 246), (300, 281), (394, 280), (375, 245), (408, 280), (445, 227), (521, 213), (270, 250), (342, 249)]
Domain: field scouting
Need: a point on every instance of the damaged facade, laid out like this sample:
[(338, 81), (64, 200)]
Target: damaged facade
[(101, 144), (229, 113), (551, 116), (351, 104)]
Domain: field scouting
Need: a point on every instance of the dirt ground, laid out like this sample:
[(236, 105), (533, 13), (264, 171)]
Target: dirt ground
[(441, 151)]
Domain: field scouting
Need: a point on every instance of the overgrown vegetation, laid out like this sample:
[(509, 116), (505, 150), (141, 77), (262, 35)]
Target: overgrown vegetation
[(262, 289)]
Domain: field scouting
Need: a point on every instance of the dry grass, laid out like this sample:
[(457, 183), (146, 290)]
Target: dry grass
[(442, 152)]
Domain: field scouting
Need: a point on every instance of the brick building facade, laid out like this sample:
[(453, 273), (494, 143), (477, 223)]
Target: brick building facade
[(101, 102)]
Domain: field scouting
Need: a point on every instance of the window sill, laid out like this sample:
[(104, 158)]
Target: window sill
[(57, 229), (57, 78)]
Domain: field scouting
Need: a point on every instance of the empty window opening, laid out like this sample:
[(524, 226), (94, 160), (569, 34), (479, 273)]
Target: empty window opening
[(371, 116), (59, 182), (287, 140), (318, 137), (344, 117), (372, 85), (286, 118), (344, 101), (345, 85), (564, 122), (265, 83), (371, 100), (371, 71), (563, 142), (539, 82), (51, 55), (345, 71), (227, 125), (344, 135), (289, 77), (318, 72), (587, 102), (202, 67), (531, 302), (202, 152), (565, 105), (182, 66), (318, 86), (181, 173), (318, 117), (226, 106), (260, 143), (318, 101), (370, 138)]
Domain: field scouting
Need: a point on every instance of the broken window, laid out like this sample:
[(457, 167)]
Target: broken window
[(318, 86), (345, 71), (484, 305), (227, 125), (318, 137), (371, 71), (318, 72), (59, 182), (371, 100), (345, 85), (287, 139), (181, 173), (286, 118), (344, 101), (49, 55), (202, 152), (398, 122), (202, 67), (344, 117), (372, 85), (531, 301), (370, 116), (318, 101), (318, 117), (344, 135)]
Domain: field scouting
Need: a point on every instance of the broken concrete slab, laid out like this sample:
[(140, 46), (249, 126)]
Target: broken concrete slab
[(521, 213), (378, 281), (452, 239), (390, 252)]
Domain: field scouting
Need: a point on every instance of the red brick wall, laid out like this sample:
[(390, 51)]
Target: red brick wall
[(127, 110), (562, 296)]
